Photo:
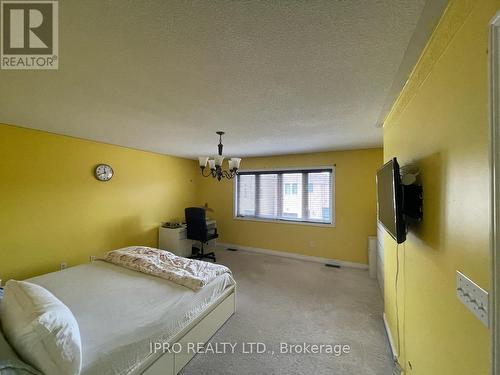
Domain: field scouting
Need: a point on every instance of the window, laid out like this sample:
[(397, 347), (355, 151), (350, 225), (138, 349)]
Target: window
[(291, 189), (286, 195)]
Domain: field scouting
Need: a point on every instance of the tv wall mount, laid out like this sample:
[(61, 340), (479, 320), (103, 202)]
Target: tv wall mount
[(412, 193)]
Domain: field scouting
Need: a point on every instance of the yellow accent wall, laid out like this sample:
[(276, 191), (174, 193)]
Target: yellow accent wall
[(52, 209), (355, 208), (440, 123)]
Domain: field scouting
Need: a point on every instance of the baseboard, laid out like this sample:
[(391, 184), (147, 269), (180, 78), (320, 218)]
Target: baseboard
[(285, 254), (391, 341)]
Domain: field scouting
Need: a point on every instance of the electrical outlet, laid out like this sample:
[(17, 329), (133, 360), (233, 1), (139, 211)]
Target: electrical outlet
[(64, 265), (92, 258), (474, 297)]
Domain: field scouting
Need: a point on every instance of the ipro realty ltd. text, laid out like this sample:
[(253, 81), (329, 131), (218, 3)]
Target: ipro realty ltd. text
[(249, 348)]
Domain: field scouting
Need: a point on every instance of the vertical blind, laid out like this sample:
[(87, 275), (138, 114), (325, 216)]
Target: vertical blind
[(292, 195)]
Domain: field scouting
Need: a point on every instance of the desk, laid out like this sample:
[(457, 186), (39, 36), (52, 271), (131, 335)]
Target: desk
[(175, 241)]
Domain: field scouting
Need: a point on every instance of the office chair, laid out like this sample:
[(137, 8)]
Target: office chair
[(197, 230)]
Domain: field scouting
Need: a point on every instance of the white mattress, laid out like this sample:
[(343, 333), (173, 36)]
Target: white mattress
[(120, 311)]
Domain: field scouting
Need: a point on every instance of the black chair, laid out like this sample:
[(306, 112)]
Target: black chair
[(197, 230)]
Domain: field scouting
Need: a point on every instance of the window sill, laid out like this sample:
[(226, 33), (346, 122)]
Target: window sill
[(312, 224)]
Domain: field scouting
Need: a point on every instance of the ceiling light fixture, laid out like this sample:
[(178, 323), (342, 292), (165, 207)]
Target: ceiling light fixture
[(215, 164)]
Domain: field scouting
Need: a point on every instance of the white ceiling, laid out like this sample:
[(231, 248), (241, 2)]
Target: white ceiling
[(277, 76)]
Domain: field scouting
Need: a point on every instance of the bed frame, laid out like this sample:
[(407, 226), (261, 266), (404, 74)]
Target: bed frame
[(200, 330)]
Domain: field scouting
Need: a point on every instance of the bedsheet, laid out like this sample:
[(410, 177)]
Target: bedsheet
[(121, 311)]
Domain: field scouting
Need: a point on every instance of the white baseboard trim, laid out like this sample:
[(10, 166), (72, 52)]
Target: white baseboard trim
[(391, 341), (307, 258)]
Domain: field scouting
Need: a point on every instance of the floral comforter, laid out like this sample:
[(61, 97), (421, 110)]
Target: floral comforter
[(191, 273)]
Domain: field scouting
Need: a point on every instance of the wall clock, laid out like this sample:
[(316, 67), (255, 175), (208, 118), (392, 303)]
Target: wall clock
[(103, 172)]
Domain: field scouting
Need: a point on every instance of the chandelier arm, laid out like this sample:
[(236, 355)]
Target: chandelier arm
[(230, 174), (206, 175)]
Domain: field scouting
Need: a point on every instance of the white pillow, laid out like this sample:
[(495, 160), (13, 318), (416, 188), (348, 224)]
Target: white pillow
[(41, 329)]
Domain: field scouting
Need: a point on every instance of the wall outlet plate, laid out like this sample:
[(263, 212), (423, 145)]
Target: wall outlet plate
[(64, 265), (92, 258), (474, 297)]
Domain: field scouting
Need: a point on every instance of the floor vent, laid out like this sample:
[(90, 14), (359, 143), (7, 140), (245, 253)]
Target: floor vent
[(332, 265)]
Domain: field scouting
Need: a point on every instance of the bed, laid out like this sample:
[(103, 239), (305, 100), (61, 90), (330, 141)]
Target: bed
[(121, 313)]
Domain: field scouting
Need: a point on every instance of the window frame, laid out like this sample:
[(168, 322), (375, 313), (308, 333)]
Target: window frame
[(289, 170)]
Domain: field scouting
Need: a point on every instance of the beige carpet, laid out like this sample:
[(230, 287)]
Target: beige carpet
[(281, 300)]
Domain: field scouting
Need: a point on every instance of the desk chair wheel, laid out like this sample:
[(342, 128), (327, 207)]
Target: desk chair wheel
[(196, 253)]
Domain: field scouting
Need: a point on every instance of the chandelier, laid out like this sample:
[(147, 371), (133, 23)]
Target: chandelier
[(215, 164)]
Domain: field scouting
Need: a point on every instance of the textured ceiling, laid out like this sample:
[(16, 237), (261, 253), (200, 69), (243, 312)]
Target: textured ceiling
[(277, 76)]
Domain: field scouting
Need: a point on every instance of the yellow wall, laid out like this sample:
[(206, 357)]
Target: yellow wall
[(52, 209), (440, 123), (355, 208)]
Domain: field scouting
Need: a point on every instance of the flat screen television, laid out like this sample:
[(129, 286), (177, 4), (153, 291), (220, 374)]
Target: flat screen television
[(390, 200)]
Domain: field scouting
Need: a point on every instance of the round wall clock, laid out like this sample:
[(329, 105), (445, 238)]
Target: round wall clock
[(103, 172)]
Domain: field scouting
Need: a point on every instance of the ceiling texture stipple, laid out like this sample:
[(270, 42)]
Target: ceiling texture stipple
[(278, 77)]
